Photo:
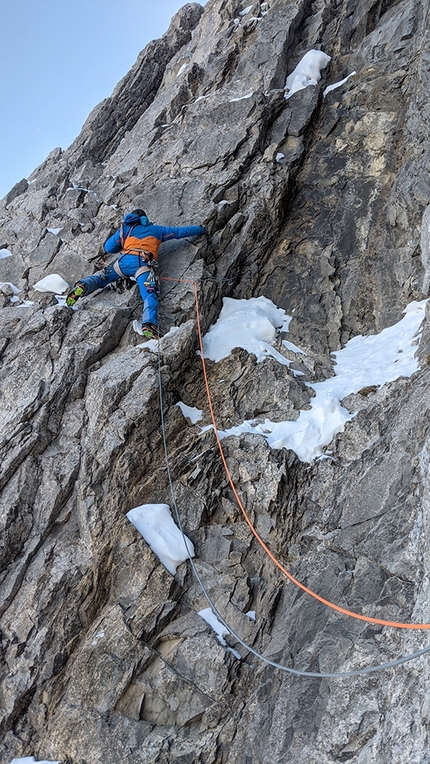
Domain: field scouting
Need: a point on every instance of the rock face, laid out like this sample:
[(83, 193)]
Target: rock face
[(319, 203)]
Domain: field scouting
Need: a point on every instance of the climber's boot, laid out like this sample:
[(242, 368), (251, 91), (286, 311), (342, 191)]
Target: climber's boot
[(78, 291), (150, 331)]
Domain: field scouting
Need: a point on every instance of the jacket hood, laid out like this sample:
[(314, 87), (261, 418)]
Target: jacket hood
[(132, 219)]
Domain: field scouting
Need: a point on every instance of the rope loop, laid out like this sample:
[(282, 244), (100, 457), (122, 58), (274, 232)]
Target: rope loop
[(289, 576)]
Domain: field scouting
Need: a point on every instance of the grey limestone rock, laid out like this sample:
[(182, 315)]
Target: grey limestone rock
[(320, 203), (17, 190)]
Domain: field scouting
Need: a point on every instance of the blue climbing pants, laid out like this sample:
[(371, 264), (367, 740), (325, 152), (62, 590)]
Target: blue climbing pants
[(129, 265)]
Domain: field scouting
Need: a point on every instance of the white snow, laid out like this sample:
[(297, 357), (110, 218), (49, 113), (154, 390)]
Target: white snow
[(98, 637), (55, 231), (365, 361), (76, 187), (137, 327), (241, 98), (380, 358), (246, 10), (307, 72), (32, 760), (209, 427), (152, 344), (155, 523), (14, 288), (61, 300), (291, 346), (191, 412), (182, 69), (251, 615), (251, 324), (52, 283), (335, 85), (209, 616), (308, 434), (279, 156), (5, 253)]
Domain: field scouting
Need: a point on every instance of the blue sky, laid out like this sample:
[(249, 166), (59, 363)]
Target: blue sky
[(58, 59)]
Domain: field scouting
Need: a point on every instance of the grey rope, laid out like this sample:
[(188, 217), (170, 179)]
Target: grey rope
[(280, 666)]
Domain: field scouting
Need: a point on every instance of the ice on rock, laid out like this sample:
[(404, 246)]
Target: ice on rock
[(52, 283), (5, 253), (155, 523), (307, 72)]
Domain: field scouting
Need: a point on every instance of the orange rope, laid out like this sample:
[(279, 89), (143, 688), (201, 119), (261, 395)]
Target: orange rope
[(278, 564)]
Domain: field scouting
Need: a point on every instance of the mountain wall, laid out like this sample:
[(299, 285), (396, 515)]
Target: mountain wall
[(321, 204)]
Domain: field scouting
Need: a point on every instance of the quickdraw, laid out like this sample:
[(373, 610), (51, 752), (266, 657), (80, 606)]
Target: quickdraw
[(152, 283)]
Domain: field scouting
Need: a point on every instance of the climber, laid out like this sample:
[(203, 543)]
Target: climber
[(138, 240)]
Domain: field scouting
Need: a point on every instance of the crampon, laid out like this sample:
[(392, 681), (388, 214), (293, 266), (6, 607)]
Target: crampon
[(77, 292), (150, 331)]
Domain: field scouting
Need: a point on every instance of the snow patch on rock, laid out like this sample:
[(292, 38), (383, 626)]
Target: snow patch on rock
[(307, 72), (155, 523), (194, 414), (52, 283), (364, 361), (251, 324)]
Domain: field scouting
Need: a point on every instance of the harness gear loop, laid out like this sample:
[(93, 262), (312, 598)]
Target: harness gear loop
[(148, 265)]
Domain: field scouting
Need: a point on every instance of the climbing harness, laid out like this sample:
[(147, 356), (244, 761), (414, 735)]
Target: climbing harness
[(368, 619)]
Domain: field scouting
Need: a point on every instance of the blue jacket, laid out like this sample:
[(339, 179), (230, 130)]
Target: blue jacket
[(138, 235)]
